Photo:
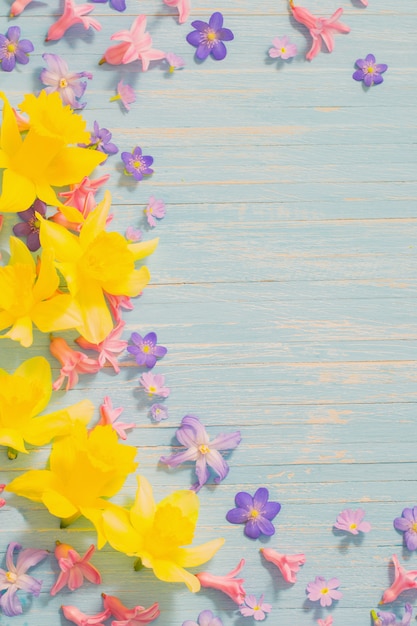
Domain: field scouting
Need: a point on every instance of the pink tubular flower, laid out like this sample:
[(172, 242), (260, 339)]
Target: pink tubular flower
[(326, 622), (79, 618), (2, 500), (125, 93), (109, 415), (136, 45), (255, 608), (155, 208), (154, 384), (116, 303), (129, 617), (288, 564), (319, 27), (73, 14), (365, 2), (74, 568), (351, 521), (403, 580), (324, 590), (231, 586), (79, 192), (183, 6), (18, 6), (111, 346), (73, 363)]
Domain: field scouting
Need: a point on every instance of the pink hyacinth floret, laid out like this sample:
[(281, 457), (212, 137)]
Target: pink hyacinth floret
[(228, 584), (73, 14), (109, 415), (74, 568), (321, 28), (183, 6), (288, 564), (403, 580)]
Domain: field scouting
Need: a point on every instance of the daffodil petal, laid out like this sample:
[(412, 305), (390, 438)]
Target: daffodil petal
[(18, 192), (184, 499), (6, 319), (31, 484), (143, 249), (119, 532), (12, 439), (19, 253), (35, 154), (81, 411), (10, 138), (193, 557), (95, 222), (42, 430), (70, 165), (21, 331), (131, 285), (4, 160), (171, 572), (58, 505), (143, 510), (48, 280), (58, 313), (37, 372), (97, 320), (65, 245)]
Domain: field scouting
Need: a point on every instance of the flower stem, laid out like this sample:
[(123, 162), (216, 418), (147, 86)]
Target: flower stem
[(66, 521), (138, 565), (12, 453)]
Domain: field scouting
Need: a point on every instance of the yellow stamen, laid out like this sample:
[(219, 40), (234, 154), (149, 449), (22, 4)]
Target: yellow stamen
[(204, 449), (254, 513), (211, 36), (11, 577), (63, 83)]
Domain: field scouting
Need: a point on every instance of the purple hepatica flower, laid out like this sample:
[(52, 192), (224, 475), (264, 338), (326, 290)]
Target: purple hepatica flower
[(369, 71), (255, 512), (145, 349), (407, 524), (137, 164), (118, 5), (159, 412), (29, 228), (206, 618), (324, 590), (193, 435), (100, 140), (208, 38), (155, 208), (69, 85), (384, 618), (15, 578), (12, 50)]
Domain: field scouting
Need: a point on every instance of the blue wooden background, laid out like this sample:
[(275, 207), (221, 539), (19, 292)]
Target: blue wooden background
[(284, 287)]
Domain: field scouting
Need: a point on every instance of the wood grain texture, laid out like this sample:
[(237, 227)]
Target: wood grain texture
[(284, 287)]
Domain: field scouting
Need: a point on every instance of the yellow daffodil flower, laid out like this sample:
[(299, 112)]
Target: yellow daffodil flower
[(85, 468), (156, 533), (28, 295), (23, 395), (43, 159), (95, 263)]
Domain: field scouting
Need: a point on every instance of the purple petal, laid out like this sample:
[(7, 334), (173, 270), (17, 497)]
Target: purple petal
[(173, 460), (201, 470), (244, 500), (160, 351), (194, 38), (202, 51), (370, 58), (10, 603), (199, 26), (28, 558), (150, 361), (265, 526), (237, 516), (360, 63), (252, 529), (127, 158), (410, 514), (226, 441), (216, 21), (218, 464), (56, 64), (225, 34), (21, 57), (13, 33), (30, 585), (410, 539), (271, 509), (378, 79), (118, 5), (192, 432), (402, 524), (381, 68), (150, 338), (147, 160), (260, 498), (22, 229), (137, 152), (358, 75), (109, 148), (33, 241), (219, 51), (135, 337), (8, 63), (25, 46), (13, 545), (368, 79)]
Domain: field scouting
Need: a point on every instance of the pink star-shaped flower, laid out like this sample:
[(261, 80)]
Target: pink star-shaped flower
[(183, 6), (320, 28), (73, 14), (74, 568), (403, 580), (136, 45), (109, 415), (73, 363), (109, 348)]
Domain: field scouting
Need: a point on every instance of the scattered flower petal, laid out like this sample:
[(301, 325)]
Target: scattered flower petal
[(154, 384), (193, 435), (323, 590), (13, 49), (369, 71), (137, 164), (255, 512), (174, 61), (288, 564), (15, 577), (208, 38), (321, 28), (74, 568), (57, 77), (403, 580), (255, 608), (352, 522), (228, 584), (155, 208), (282, 48)]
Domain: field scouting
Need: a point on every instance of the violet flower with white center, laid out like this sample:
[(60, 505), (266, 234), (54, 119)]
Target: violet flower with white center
[(255, 512), (100, 140), (30, 226), (136, 163), (352, 521), (369, 71), (154, 384), (145, 350), (69, 85), (407, 524), (385, 618), (159, 412), (206, 618), (208, 38), (12, 49), (255, 608), (125, 93), (193, 435), (15, 577), (174, 61), (155, 208), (282, 48), (324, 590)]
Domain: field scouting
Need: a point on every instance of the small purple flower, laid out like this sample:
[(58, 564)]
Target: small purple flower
[(15, 577), (193, 435), (12, 50), (133, 234), (206, 618), (155, 208), (145, 349), (255, 608), (255, 512), (369, 71), (118, 5), (352, 522), (208, 38), (324, 590), (407, 524), (137, 164), (69, 85), (30, 226), (282, 48), (174, 61), (125, 93), (159, 412), (100, 140), (154, 384), (385, 618)]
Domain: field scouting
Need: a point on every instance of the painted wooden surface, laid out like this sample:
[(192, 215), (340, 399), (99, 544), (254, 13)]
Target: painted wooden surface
[(284, 287)]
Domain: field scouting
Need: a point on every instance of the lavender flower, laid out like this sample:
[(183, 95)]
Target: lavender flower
[(29, 228), (255, 608), (159, 412), (125, 93), (385, 618), (69, 85), (155, 208), (282, 48), (324, 590), (369, 71), (193, 435), (255, 512), (154, 384), (137, 164), (206, 618), (407, 524), (174, 61), (145, 350), (15, 578), (12, 50), (100, 140), (208, 38)]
